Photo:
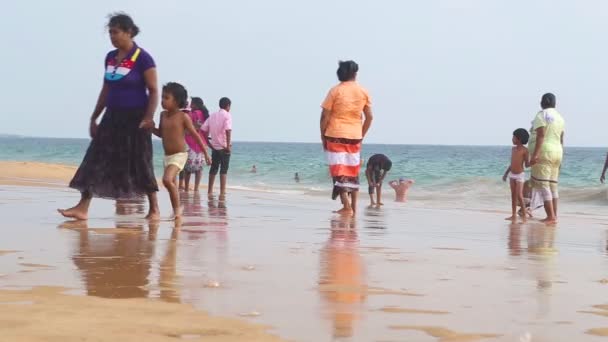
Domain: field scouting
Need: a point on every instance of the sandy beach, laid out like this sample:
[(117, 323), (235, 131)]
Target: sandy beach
[(265, 266)]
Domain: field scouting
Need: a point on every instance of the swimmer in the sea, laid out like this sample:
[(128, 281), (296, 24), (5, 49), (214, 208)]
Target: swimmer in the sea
[(401, 188)]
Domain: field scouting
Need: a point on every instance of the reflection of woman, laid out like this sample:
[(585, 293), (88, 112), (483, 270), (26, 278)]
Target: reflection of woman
[(546, 146), (342, 132), (118, 162), (342, 280), (116, 265)]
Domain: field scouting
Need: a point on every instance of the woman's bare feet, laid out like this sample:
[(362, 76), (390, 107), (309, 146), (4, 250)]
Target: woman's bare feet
[(345, 211), (511, 218), (153, 215), (549, 220), (74, 213)]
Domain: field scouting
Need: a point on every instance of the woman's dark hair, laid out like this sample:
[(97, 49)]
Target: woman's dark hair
[(200, 105), (548, 101), (180, 94), (124, 22), (522, 135), (347, 70)]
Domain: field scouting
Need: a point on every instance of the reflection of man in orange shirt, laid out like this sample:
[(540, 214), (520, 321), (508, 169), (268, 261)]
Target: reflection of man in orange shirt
[(342, 279)]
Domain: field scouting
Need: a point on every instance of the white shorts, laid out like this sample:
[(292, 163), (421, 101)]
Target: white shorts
[(178, 159), (518, 177)]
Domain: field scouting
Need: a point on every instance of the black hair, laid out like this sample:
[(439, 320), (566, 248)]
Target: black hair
[(347, 70), (225, 103), (200, 105), (179, 93), (521, 135), (388, 164), (548, 101), (124, 22)]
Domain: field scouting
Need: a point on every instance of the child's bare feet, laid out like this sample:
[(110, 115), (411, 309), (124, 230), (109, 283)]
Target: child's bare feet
[(511, 218), (380, 203), (222, 197), (74, 213)]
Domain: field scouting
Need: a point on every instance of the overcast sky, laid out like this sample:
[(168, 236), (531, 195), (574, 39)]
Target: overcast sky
[(438, 71)]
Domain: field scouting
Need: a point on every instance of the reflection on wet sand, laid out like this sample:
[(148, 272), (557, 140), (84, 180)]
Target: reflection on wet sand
[(116, 264), (540, 258), (342, 281), (374, 218), (168, 279)]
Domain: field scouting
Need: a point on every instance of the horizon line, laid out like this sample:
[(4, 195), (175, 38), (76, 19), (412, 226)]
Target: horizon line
[(4, 135)]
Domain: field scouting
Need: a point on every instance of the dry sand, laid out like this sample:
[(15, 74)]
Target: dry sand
[(45, 314)]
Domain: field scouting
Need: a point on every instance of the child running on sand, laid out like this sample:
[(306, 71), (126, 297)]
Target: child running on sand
[(401, 188), (198, 114), (520, 159), (171, 129)]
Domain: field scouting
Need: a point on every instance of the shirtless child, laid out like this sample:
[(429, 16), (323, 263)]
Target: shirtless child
[(173, 125), (520, 159), (401, 187)]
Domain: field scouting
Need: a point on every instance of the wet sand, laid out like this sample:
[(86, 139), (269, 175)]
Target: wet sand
[(401, 273)]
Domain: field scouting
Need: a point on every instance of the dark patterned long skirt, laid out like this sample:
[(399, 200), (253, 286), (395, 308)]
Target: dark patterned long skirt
[(118, 162)]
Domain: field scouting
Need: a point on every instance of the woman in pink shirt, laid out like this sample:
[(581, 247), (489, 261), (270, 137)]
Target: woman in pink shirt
[(198, 113)]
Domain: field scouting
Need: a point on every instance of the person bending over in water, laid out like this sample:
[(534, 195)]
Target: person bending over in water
[(172, 128), (378, 166), (297, 178), (401, 188)]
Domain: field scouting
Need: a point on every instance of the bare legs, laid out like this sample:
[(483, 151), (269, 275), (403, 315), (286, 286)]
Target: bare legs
[(169, 183), (197, 180), (517, 199), (153, 212), (550, 210), (223, 179), (349, 206), (186, 181)]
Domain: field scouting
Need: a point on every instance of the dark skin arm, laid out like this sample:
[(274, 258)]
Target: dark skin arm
[(158, 131), (192, 131), (603, 177), (368, 174), (367, 123), (325, 115), (229, 140), (152, 84), (99, 107), (504, 177), (384, 172)]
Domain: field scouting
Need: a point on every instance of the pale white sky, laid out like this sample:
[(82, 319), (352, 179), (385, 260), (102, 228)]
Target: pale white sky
[(439, 71)]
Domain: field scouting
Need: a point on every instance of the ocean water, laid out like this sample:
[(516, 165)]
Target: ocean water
[(448, 173)]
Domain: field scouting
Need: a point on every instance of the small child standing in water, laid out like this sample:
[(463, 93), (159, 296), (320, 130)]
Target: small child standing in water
[(172, 128), (520, 159)]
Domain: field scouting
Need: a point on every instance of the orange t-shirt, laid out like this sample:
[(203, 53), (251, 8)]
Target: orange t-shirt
[(346, 102)]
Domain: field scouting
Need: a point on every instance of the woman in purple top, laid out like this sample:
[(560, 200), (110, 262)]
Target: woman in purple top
[(118, 162)]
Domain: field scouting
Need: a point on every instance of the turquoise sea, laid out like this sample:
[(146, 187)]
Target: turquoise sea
[(453, 173)]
